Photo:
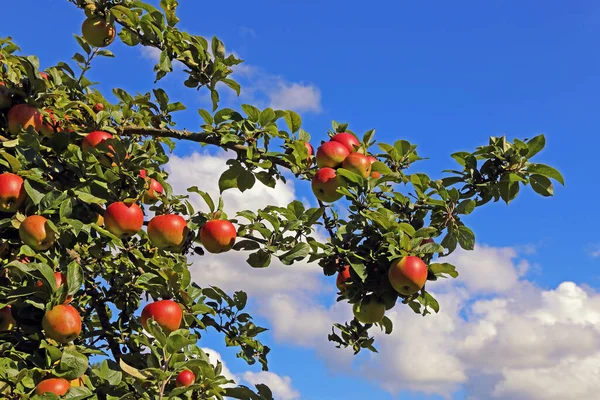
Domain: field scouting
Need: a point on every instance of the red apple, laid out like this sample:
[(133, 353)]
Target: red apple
[(185, 378), (369, 310), (60, 279), (325, 183), (6, 319), (123, 220), (97, 31), (36, 233), (166, 313), (358, 163), (62, 323), (168, 231), (58, 386), (44, 75), (93, 139), (98, 107), (5, 99), (154, 189), (349, 141), (331, 154), (374, 174), (218, 235), (341, 279), (12, 192), (22, 116), (408, 275), (49, 125)]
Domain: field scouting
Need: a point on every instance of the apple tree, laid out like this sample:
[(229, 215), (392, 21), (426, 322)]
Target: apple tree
[(96, 298)]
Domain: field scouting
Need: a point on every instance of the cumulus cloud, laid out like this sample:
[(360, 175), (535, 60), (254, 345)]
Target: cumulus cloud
[(281, 386), (497, 335)]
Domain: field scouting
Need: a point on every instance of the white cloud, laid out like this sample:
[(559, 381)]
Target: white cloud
[(281, 386), (497, 335), (153, 54)]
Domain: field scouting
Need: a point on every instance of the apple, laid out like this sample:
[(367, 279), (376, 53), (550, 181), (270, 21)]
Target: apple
[(331, 154), (218, 235), (341, 279), (374, 174), (154, 189), (22, 116), (168, 231), (60, 279), (98, 107), (62, 323), (6, 319), (12, 192), (123, 220), (349, 141), (58, 386), (325, 183), (36, 233), (358, 163), (408, 275), (93, 139), (5, 99), (44, 75), (49, 125), (78, 382), (369, 310), (166, 313), (97, 31), (185, 378)]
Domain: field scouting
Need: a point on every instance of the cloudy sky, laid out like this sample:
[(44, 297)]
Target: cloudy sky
[(523, 319)]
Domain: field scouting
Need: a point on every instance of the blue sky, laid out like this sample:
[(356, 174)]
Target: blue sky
[(442, 75)]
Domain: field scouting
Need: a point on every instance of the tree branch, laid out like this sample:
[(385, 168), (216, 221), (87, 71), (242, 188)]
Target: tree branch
[(107, 327)]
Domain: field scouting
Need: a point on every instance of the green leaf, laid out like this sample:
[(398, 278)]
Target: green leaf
[(541, 185), (379, 166), (240, 298), (260, 259), (246, 245), (293, 121), (35, 195), (129, 370), (74, 277), (206, 116), (351, 176), (15, 165), (252, 112), (109, 371), (547, 171), (297, 253), (466, 238), (232, 84), (266, 117), (176, 342), (536, 145), (466, 206), (443, 268), (236, 177), (72, 364), (205, 196)]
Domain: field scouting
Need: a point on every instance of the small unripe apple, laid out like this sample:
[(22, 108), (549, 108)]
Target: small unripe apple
[(98, 107), (331, 154), (12, 192), (185, 378), (123, 220), (36, 233), (168, 231), (349, 141), (62, 323), (374, 174), (369, 310), (325, 184), (6, 319), (22, 116), (341, 279), (358, 163), (97, 31), (58, 386), (218, 235), (408, 275), (166, 313)]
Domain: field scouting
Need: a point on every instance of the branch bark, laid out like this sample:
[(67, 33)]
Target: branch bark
[(107, 327)]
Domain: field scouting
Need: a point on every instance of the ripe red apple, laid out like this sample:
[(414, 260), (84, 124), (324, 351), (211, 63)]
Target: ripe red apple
[(97, 32), (5, 99), (22, 116), (44, 75), (49, 125), (369, 310), (154, 189), (98, 107), (58, 386), (6, 319), (185, 378), (62, 323), (310, 151), (358, 163), (218, 235), (331, 154), (325, 183), (166, 313), (12, 192), (123, 220), (341, 279), (36, 233), (374, 174), (93, 139), (60, 279), (408, 275), (168, 231), (349, 141)]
